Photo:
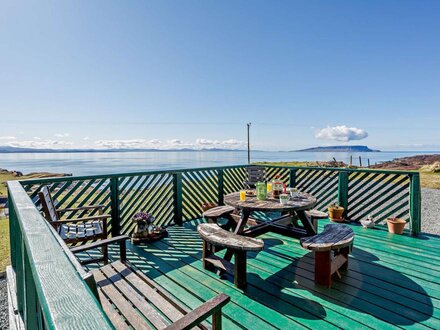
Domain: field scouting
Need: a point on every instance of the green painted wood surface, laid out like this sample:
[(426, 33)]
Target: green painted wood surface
[(343, 191), (221, 188), (50, 282), (391, 282), (115, 202), (415, 205), (177, 195)]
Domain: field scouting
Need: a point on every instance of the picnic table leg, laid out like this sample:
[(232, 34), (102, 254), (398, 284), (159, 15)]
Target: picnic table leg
[(323, 267), (238, 230), (207, 251), (306, 221), (240, 269), (345, 251)]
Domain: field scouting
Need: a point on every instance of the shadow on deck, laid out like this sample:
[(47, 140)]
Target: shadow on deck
[(392, 281)]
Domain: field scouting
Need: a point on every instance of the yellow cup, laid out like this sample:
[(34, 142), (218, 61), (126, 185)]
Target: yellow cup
[(242, 195), (269, 187)]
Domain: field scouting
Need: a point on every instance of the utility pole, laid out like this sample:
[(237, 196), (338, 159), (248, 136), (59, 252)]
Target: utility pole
[(248, 143)]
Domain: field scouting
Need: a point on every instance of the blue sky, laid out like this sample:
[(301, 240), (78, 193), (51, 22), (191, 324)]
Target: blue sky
[(192, 73)]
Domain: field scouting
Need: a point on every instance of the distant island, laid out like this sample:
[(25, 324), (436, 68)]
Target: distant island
[(7, 150), (339, 149)]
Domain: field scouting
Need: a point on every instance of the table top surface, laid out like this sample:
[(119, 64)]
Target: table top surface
[(303, 202)]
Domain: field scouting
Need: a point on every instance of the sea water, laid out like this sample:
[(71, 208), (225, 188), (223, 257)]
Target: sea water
[(94, 163)]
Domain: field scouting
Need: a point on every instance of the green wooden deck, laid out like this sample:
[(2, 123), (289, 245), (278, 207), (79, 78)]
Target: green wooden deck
[(393, 282)]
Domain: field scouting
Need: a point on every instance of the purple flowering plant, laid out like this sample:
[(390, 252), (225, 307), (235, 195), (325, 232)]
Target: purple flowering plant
[(143, 217)]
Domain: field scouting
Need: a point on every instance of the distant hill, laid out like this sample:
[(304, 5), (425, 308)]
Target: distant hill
[(7, 149), (340, 149)]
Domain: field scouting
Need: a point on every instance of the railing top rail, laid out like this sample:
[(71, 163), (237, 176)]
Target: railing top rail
[(65, 299), (128, 174), (321, 168)]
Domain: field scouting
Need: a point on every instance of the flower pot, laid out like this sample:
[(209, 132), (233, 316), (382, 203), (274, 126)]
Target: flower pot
[(335, 213), (396, 225)]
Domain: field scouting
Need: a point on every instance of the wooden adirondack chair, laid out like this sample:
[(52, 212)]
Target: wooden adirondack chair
[(72, 231), (255, 174)]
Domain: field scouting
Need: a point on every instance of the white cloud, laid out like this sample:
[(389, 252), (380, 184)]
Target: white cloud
[(61, 135), (341, 133), (169, 144), (175, 142), (42, 144), (85, 143), (206, 142)]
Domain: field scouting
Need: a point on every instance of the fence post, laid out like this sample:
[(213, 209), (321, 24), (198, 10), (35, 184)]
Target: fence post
[(13, 230), (30, 296), (415, 204), (177, 195), (343, 191), (292, 177), (114, 200), (220, 187)]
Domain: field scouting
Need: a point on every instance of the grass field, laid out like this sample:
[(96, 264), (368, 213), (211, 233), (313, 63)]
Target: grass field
[(4, 243), (430, 180)]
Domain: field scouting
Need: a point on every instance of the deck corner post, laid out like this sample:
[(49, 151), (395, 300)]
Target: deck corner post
[(114, 200), (177, 194), (343, 191), (220, 187), (12, 230), (415, 206), (292, 177)]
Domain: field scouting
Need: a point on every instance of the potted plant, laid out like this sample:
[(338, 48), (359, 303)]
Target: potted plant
[(145, 230), (396, 225), (335, 212)]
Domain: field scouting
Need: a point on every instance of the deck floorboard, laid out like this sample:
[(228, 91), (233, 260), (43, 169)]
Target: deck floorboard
[(392, 282)]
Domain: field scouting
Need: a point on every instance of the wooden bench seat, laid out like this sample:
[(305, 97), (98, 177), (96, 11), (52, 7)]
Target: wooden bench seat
[(214, 236), (214, 214), (316, 215), (331, 249), (132, 300)]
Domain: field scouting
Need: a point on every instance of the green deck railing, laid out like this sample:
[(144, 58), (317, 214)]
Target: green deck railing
[(50, 290)]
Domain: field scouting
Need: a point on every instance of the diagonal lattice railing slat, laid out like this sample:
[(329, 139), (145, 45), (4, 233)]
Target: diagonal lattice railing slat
[(380, 195), (198, 187), (283, 173), (321, 183), (234, 179), (148, 193)]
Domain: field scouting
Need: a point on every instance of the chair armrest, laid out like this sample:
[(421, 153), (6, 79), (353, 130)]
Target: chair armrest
[(199, 314), (97, 244), (85, 219), (88, 207)]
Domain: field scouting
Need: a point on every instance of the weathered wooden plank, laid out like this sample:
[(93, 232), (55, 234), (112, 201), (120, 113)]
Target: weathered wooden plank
[(59, 288), (217, 236)]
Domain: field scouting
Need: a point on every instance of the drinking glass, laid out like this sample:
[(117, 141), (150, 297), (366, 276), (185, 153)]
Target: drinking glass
[(242, 195), (269, 187)]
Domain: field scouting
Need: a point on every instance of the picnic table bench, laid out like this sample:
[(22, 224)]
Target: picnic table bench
[(214, 236), (331, 248)]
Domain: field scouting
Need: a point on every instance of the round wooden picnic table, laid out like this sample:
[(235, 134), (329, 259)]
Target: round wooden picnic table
[(302, 202), (297, 205)]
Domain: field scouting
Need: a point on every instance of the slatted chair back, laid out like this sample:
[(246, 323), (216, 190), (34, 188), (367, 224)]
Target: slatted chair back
[(255, 174), (47, 204)]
